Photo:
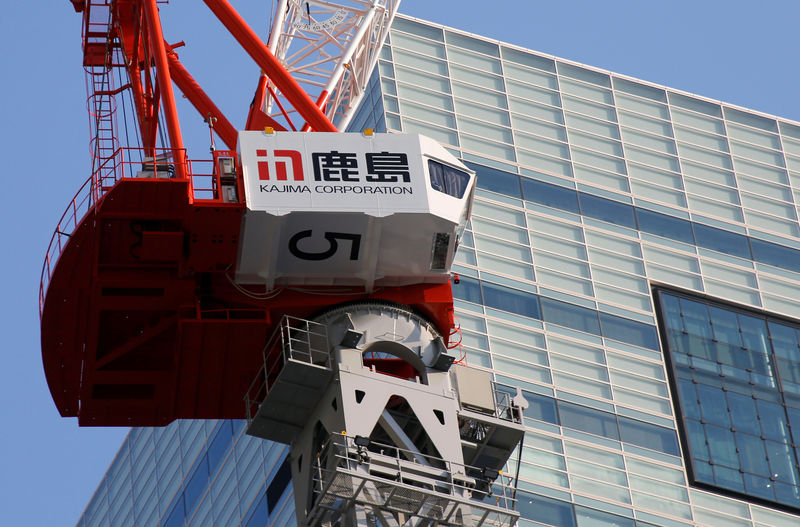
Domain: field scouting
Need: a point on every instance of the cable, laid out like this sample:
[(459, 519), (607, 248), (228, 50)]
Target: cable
[(135, 116), (519, 462), (124, 107), (162, 124), (267, 295)]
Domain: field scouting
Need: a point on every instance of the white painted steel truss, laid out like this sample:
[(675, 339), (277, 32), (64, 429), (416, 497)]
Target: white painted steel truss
[(424, 448), (330, 49)]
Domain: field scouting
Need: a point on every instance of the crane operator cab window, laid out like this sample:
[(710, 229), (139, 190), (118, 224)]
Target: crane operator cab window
[(447, 179)]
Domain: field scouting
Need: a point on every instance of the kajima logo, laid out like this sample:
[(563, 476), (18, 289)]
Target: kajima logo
[(279, 160), (369, 173)]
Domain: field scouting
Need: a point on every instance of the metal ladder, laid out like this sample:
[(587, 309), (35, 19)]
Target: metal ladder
[(99, 38)]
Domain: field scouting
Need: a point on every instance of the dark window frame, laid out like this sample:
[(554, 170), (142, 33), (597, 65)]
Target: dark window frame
[(695, 478), (448, 179)]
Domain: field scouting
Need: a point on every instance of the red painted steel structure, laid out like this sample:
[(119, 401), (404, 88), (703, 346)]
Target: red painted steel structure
[(141, 320), (272, 68), (165, 84), (202, 102)]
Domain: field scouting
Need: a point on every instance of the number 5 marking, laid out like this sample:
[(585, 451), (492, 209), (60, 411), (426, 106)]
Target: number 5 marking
[(332, 237)]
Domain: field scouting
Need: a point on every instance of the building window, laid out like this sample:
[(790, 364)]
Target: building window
[(278, 484), (736, 375), (600, 423)]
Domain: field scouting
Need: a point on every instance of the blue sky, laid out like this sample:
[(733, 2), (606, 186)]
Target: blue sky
[(744, 53)]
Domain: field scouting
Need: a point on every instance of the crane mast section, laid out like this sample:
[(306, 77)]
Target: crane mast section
[(330, 49)]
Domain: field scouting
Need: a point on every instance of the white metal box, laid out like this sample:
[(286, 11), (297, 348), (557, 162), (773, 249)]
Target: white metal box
[(349, 209)]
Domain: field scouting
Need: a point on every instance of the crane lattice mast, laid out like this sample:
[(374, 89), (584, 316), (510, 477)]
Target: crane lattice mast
[(330, 48)]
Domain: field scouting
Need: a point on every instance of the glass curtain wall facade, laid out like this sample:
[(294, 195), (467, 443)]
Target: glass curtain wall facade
[(632, 263)]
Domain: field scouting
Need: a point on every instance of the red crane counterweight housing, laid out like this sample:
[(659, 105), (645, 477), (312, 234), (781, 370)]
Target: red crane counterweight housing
[(157, 296), (158, 308)]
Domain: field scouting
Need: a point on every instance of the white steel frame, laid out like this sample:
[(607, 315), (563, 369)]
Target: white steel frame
[(330, 49)]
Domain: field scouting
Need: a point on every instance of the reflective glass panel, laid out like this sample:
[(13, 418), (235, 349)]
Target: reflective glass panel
[(664, 225), (259, 515), (177, 515), (496, 180), (657, 94), (751, 119), (545, 511), (722, 241), (570, 315), (541, 407), (196, 486), (777, 255), (529, 59), (588, 420), (593, 518), (416, 28), (472, 44), (607, 210), (468, 289), (631, 331), (513, 300), (576, 72), (696, 105), (550, 195), (648, 436), (219, 446)]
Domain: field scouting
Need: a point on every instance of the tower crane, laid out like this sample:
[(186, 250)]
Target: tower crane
[(297, 277)]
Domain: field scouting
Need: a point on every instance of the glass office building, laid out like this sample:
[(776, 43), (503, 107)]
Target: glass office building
[(632, 263)]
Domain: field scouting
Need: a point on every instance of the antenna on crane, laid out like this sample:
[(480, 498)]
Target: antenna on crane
[(211, 120)]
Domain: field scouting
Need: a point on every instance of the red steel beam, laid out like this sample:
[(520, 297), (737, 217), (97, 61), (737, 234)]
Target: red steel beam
[(256, 118), (165, 86), (258, 100), (322, 100), (259, 52), (202, 102)]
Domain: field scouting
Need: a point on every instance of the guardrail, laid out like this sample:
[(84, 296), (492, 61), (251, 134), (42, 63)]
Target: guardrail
[(399, 481), (125, 163), (294, 339), (504, 407)]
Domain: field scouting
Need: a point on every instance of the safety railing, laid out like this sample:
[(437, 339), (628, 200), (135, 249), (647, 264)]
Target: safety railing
[(294, 339), (125, 163), (504, 407), (411, 484), (79, 207), (141, 163)]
